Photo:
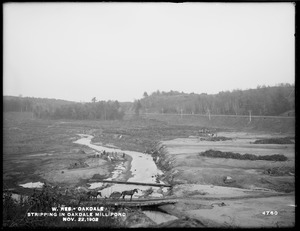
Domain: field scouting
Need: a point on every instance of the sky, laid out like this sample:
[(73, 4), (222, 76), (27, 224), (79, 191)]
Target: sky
[(117, 51)]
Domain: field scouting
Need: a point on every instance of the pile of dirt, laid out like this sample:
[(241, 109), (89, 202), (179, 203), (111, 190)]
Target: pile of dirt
[(280, 171), (216, 138), (282, 140), (231, 155)]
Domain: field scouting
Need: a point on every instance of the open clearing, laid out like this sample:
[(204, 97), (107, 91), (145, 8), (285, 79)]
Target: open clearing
[(44, 151), (208, 174), (245, 173)]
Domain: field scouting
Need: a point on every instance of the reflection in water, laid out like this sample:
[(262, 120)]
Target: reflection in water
[(143, 167), (143, 170)]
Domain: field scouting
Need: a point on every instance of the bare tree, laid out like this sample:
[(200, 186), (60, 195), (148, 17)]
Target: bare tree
[(94, 100)]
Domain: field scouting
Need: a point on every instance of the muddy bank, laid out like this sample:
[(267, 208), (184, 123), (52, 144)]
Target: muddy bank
[(139, 167), (126, 173)]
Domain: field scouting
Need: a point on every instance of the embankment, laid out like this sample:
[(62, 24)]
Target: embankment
[(164, 162)]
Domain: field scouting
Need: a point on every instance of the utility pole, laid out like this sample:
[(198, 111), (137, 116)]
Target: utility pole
[(208, 114), (290, 93), (249, 116)]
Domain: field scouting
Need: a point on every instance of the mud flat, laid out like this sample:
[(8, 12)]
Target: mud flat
[(237, 213), (241, 201)]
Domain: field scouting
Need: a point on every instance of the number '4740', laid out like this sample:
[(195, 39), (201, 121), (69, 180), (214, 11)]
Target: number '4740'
[(272, 213)]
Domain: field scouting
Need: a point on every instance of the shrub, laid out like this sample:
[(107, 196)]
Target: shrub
[(283, 140), (231, 155)]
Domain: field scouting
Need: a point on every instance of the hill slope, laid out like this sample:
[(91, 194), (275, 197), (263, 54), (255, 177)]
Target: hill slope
[(261, 101)]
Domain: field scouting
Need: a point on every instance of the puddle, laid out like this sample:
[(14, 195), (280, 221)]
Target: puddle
[(17, 197), (143, 169), (32, 185), (97, 185), (159, 217)]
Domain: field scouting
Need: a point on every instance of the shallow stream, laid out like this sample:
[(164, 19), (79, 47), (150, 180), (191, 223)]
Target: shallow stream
[(143, 170)]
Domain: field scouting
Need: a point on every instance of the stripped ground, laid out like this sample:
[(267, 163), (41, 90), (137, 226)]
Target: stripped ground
[(237, 213), (43, 150), (190, 167), (241, 201)]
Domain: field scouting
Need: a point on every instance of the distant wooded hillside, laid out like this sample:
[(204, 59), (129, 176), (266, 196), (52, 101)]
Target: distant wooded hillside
[(14, 103), (62, 109), (263, 100), (267, 101)]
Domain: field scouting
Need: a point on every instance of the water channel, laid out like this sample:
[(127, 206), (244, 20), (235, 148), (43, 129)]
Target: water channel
[(143, 169)]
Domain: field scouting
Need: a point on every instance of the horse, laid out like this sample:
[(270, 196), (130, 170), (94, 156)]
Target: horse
[(130, 193), (115, 195), (92, 194)]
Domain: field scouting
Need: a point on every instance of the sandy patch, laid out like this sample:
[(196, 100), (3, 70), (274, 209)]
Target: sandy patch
[(205, 191), (193, 168), (183, 146), (159, 217), (249, 212)]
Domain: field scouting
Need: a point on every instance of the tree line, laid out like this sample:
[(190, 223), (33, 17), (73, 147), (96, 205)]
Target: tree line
[(264, 100), (60, 109), (102, 110)]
